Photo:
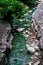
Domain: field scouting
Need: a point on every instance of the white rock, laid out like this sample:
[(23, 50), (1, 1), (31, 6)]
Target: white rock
[(20, 29), (36, 53), (30, 49), (30, 63), (35, 46), (26, 35)]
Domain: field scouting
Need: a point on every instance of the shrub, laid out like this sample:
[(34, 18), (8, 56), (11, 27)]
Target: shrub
[(13, 6)]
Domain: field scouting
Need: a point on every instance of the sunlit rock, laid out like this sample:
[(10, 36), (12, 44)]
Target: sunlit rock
[(36, 53), (30, 63), (30, 49), (20, 29), (35, 46), (26, 35)]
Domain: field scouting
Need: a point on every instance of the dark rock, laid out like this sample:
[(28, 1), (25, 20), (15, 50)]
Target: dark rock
[(41, 44)]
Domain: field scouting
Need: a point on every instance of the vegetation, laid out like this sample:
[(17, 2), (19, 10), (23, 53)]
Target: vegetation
[(29, 1), (10, 9)]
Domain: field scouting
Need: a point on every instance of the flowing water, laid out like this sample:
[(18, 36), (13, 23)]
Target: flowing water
[(18, 54)]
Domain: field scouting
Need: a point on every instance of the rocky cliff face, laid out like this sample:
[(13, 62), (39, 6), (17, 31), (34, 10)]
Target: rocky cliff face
[(37, 18)]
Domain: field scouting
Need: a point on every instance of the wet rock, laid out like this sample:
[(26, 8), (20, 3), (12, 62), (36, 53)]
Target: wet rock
[(41, 44), (20, 29), (38, 36)]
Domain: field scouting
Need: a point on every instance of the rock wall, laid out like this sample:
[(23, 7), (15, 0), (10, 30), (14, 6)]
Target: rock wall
[(37, 25)]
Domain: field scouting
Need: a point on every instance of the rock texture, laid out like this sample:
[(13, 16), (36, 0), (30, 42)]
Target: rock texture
[(5, 41), (37, 25)]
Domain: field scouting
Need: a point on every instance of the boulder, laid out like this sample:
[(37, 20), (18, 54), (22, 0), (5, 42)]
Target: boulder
[(30, 49)]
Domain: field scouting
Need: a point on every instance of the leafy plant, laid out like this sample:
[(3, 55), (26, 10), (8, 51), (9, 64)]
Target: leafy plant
[(16, 7)]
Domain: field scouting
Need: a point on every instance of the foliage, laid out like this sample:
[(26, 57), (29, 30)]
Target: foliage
[(30, 1), (15, 7)]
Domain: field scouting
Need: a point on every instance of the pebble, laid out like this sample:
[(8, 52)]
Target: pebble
[(20, 29), (36, 53), (27, 25)]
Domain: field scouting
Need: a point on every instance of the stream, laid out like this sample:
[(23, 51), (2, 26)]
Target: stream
[(18, 54)]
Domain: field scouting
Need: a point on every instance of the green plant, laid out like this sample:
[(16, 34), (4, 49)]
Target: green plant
[(15, 6), (28, 1)]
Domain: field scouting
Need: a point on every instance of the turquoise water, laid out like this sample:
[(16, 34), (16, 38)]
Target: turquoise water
[(19, 55)]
